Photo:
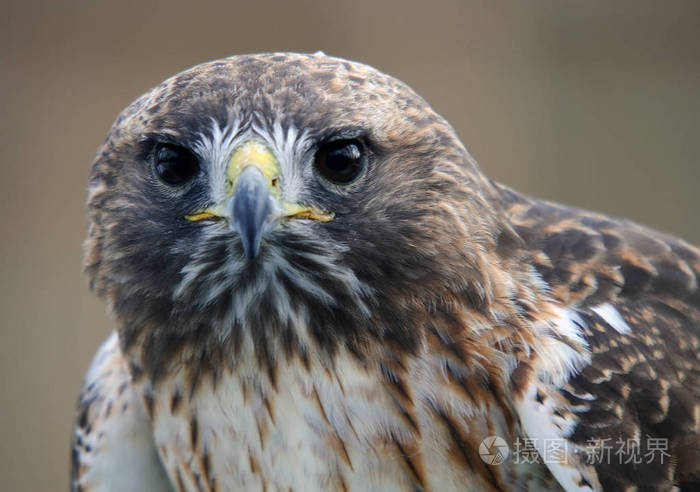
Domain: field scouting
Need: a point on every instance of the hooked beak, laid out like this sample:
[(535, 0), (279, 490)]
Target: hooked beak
[(253, 209), (253, 205)]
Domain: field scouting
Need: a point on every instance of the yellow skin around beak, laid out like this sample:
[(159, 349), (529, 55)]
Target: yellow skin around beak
[(254, 153)]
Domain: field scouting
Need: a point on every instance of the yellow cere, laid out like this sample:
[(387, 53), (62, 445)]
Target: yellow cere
[(253, 153)]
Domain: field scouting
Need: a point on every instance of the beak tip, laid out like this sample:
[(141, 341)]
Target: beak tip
[(251, 249)]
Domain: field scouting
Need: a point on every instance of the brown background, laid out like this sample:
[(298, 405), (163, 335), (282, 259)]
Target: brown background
[(593, 103)]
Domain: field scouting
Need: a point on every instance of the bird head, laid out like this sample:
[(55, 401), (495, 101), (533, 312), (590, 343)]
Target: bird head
[(283, 202)]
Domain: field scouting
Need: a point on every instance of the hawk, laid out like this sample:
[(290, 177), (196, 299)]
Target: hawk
[(316, 288)]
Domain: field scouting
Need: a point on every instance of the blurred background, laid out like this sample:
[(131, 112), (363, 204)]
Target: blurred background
[(595, 103)]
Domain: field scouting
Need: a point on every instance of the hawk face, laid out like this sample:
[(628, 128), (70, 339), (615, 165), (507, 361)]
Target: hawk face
[(292, 201)]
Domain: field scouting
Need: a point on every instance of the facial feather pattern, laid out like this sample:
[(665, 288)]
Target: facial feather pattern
[(193, 277), (315, 287)]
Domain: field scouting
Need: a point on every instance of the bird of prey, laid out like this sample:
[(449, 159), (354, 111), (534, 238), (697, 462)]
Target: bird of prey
[(316, 288)]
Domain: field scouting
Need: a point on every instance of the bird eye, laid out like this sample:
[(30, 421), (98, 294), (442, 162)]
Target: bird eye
[(340, 161), (175, 165)]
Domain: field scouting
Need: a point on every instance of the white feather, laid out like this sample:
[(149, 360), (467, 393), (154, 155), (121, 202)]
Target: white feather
[(118, 452), (543, 412), (612, 316)]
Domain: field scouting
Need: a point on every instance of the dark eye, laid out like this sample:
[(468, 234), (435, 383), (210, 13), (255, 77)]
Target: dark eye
[(341, 161), (175, 165)]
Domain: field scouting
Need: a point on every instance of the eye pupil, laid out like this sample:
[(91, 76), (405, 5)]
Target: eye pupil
[(340, 161), (175, 165)]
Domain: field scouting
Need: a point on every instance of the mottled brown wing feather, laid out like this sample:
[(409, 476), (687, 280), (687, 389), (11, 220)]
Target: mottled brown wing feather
[(642, 385), (646, 385), (589, 259)]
